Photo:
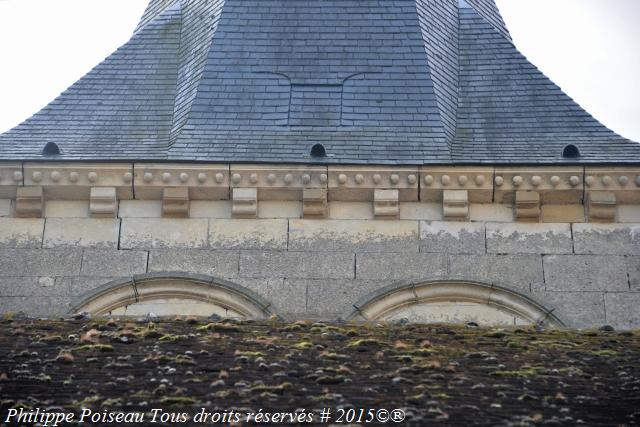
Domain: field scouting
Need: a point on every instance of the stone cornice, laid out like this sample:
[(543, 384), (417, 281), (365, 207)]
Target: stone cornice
[(553, 185), (71, 181)]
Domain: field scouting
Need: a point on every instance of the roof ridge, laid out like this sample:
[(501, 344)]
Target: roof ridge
[(489, 10), (440, 35), (199, 23), (153, 9)]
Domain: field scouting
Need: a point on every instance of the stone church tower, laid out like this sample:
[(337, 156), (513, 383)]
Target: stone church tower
[(355, 159)]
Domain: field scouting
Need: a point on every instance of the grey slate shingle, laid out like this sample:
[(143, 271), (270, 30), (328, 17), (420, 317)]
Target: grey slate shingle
[(154, 8), (489, 11), (376, 82), (509, 112), (121, 109)]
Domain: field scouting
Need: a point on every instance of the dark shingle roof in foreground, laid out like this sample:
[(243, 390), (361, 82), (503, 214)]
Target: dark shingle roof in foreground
[(375, 82), (436, 374)]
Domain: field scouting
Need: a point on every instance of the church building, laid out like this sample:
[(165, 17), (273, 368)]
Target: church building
[(321, 159)]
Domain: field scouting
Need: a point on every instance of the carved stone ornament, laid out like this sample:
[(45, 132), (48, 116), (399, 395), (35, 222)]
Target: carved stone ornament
[(175, 202), (245, 203), (601, 206), (527, 206), (386, 204), (314, 203), (103, 202), (29, 202), (455, 205)]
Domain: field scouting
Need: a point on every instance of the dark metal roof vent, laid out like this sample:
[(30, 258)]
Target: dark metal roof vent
[(318, 151), (570, 152), (51, 149)]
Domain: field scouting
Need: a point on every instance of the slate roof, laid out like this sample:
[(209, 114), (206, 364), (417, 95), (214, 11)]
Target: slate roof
[(376, 82)]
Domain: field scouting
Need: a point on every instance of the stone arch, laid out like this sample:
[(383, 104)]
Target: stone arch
[(173, 293), (454, 301)]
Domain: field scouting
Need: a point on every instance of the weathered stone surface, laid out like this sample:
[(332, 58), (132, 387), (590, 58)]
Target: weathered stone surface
[(29, 202), (452, 237), (83, 232), (40, 262), (562, 213), (490, 212), (334, 298), (257, 234), (309, 265), (21, 232), (517, 271), (140, 209), (633, 271), (5, 207), (66, 209), (279, 209), (400, 266), (287, 298), (210, 209), (358, 236), (607, 239), (585, 273), (578, 309), (518, 238), (105, 262), (50, 306), (31, 286), (622, 309), (421, 211), (222, 264), (350, 210), (164, 233), (626, 213), (79, 285)]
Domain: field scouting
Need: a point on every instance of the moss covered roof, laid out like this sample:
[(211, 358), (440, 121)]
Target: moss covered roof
[(437, 374)]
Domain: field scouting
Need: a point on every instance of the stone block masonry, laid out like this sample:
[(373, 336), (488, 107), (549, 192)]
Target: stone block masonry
[(319, 268)]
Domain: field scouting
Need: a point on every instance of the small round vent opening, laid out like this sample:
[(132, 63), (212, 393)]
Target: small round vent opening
[(318, 151), (51, 149), (570, 152)]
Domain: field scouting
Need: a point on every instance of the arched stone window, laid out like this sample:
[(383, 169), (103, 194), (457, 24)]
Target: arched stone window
[(171, 294), (453, 301)]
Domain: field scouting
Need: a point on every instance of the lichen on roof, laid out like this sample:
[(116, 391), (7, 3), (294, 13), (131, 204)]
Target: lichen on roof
[(438, 374)]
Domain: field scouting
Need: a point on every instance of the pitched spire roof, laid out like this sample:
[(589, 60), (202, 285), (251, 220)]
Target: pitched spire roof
[(393, 82)]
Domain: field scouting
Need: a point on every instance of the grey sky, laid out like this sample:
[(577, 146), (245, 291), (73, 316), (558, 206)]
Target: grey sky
[(588, 47)]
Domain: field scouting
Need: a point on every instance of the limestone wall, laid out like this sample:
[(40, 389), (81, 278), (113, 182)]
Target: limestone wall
[(319, 268)]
